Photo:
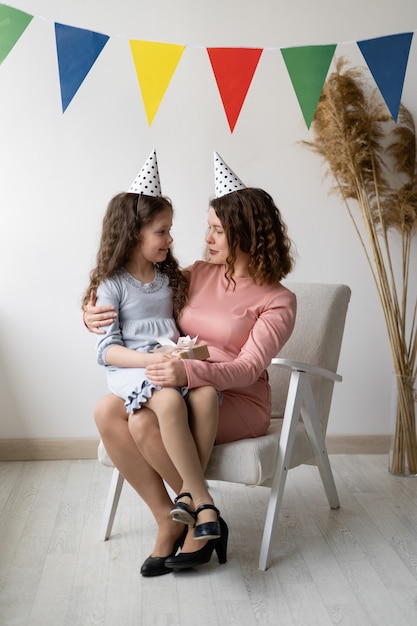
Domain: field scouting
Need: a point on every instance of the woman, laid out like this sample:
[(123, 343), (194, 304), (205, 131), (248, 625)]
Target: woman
[(237, 305)]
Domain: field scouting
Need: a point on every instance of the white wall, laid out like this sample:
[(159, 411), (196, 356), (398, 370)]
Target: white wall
[(58, 172)]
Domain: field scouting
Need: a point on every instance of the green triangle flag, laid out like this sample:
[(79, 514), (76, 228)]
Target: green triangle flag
[(12, 24), (308, 67)]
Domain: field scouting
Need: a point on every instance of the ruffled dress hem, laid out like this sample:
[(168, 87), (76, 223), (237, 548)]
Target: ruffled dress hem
[(140, 395)]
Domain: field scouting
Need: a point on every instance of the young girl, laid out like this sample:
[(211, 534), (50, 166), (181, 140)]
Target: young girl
[(137, 274)]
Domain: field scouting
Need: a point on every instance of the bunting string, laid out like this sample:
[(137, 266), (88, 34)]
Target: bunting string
[(78, 49)]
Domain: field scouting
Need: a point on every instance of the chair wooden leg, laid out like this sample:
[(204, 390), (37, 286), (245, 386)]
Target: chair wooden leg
[(315, 435), (285, 447), (112, 501)]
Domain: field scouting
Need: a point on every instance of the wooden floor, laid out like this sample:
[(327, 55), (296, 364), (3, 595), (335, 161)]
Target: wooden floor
[(356, 566)]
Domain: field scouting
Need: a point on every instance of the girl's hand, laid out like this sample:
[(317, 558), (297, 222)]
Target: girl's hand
[(155, 358), (169, 373), (97, 316)]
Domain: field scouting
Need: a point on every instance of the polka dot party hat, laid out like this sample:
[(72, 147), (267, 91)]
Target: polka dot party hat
[(225, 180), (147, 181)]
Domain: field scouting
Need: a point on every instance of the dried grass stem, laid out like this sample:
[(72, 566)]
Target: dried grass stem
[(373, 162)]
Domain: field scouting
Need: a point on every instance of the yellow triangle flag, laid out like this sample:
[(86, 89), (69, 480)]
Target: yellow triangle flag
[(155, 65)]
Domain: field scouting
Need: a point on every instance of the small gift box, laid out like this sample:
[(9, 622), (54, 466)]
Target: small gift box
[(185, 348)]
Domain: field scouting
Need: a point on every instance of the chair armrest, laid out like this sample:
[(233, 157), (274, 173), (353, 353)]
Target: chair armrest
[(299, 366)]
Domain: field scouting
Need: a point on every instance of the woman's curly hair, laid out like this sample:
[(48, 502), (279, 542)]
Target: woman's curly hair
[(127, 214), (253, 223)]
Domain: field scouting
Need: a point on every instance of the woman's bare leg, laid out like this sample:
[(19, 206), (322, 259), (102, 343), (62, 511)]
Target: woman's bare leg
[(112, 422)]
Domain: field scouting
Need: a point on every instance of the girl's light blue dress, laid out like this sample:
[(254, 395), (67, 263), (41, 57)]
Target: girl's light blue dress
[(145, 312)]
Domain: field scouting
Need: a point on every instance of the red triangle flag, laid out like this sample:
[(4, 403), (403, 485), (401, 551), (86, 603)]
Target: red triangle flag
[(233, 69)]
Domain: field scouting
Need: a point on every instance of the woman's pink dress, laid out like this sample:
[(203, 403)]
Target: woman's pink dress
[(244, 329)]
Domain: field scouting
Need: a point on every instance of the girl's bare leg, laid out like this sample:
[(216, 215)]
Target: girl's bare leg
[(172, 414), (112, 422), (203, 418), (144, 429), (203, 405)]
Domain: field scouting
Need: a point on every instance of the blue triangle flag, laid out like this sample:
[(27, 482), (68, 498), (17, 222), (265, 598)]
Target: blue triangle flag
[(77, 51), (387, 59)]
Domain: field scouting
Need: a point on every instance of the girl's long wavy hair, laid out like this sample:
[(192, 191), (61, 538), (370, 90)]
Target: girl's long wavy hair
[(253, 223), (127, 214)]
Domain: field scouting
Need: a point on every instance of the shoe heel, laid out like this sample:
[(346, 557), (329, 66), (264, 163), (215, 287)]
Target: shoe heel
[(181, 512), (221, 545)]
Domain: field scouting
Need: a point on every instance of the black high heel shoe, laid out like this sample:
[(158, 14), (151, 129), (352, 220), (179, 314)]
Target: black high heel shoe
[(182, 512), (188, 560), (207, 530), (155, 565)]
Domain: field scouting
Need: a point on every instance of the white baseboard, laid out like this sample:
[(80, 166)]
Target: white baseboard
[(47, 449), (357, 444), (57, 449)]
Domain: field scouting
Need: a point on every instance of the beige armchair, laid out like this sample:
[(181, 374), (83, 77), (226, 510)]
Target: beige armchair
[(302, 377)]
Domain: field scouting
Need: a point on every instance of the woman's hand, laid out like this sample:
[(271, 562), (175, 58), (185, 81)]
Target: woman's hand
[(97, 316), (170, 373)]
